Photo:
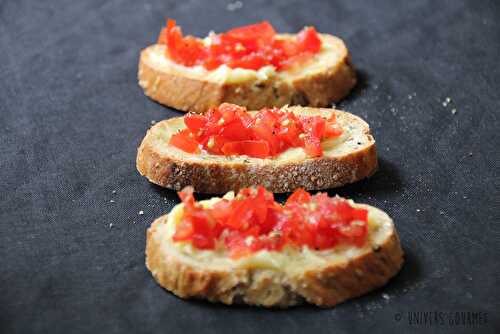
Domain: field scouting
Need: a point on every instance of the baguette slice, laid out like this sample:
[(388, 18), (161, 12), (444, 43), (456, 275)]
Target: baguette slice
[(327, 78), (275, 279), (347, 159)]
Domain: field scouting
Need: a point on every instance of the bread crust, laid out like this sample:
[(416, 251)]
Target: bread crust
[(213, 177), (324, 286), (198, 94)]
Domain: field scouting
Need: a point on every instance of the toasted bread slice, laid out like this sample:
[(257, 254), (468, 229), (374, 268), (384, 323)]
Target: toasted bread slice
[(346, 159), (270, 278), (326, 78)]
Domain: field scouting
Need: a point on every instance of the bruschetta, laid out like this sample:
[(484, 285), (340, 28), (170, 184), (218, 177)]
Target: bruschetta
[(252, 66), (247, 248), (283, 149)]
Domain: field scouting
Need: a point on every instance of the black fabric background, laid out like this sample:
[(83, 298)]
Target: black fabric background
[(72, 116)]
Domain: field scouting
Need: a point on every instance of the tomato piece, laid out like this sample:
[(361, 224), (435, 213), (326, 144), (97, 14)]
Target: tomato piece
[(252, 148), (260, 206), (241, 214), (290, 132), (308, 40), (186, 195), (299, 196), (203, 242), (221, 211), (184, 140), (235, 131), (237, 246), (359, 214), (183, 231), (262, 31), (314, 125), (162, 38), (251, 61), (312, 146), (332, 130), (195, 122), (264, 131), (323, 241), (188, 51)]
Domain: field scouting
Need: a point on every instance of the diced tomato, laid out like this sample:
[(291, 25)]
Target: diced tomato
[(253, 221), (248, 47), (183, 231), (162, 38), (251, 61), (332, 129), (299, 196), (312, 146), (314, 125), (308, 40), (262, 31), (195, 122), (222, 210), (252, 148), (230, 130), (186, 195), (184, 141), (235, 131)]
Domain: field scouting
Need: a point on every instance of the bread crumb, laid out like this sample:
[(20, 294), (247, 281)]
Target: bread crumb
[(234, 6), (386, 296), (418, 210), (111, 201), (153, 122), (113, 192), (111, 225), (141, 212), (453, 111)]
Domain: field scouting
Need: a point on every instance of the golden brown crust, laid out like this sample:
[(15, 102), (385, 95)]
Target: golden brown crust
[(188, 94), (213, 176), (324, 286)]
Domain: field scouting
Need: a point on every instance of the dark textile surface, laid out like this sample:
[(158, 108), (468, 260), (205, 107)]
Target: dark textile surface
[(72, 116)]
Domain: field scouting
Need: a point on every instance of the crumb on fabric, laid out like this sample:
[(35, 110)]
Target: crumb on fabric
[(234, 6), (141, 212)]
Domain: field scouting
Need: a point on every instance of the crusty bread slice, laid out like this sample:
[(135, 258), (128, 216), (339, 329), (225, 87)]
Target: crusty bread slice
[(346, 159), (269, 279), (327, 78)]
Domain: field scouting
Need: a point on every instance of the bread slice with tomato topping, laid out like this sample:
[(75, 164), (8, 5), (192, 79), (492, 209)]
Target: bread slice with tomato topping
[(192, 74), (209, 157), (313, 249)]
